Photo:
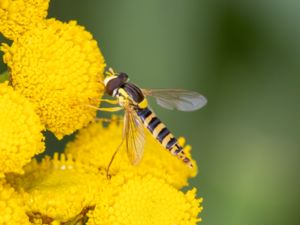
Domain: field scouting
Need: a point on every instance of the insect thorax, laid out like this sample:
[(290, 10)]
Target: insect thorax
[(127, 93), (132, 94)]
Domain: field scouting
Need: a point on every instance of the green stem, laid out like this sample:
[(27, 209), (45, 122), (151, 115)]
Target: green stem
[(4, 76)]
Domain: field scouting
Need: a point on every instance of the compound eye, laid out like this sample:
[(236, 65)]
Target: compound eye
[(112, 85), (123, 76)]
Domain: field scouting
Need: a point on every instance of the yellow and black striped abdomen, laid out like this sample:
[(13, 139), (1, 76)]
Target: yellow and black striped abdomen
[(162, 134), (157, 128)]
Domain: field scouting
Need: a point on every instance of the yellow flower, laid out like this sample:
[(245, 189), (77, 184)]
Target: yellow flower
[(57, 189), (20, 130), (12, 208), (145, 200), (56, 77), (59, 67), (18, 16), (96, 144)]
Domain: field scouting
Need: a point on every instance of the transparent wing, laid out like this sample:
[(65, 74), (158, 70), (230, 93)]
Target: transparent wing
[(134, 135), (182, 100)]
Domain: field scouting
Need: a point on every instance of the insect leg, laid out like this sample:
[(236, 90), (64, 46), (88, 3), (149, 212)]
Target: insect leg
[(113, 102), (109, 120), (112, 109), (113, 157)]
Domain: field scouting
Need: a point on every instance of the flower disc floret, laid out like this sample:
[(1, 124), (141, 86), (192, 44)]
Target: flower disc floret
[(20, 131), (18, 16), (12, 207), (59, 67), (146, 200)]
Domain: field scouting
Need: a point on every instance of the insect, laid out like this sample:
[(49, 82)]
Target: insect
[(138, 114)]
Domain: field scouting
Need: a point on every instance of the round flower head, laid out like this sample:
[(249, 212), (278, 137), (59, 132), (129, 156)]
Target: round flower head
[(145, 200), (57, 189), (59, 67), (96, 144), (18, 16), (20, 130), (12, 207)]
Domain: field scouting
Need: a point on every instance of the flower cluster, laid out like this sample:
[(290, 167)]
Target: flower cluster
[(59, 68), (55, 83), (20, 130)]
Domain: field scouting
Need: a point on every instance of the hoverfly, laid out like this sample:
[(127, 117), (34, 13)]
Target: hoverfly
[(138, 114)]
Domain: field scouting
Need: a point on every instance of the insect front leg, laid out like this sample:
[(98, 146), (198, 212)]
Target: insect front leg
[(113, 102), (112, 109)]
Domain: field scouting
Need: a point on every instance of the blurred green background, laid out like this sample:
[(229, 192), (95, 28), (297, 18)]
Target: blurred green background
[(244, 57)]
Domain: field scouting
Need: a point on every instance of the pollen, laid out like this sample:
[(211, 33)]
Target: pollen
[(12, 208), (57, 189), (18, 16), (20, 130), (95, 145), (146, 200), (59, 67)]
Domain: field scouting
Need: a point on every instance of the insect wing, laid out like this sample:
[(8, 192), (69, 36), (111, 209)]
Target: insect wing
[(182, 100), (134, 136)]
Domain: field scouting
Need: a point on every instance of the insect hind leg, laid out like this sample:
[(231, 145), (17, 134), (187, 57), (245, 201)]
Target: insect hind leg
[(108, 176), (109, 120)]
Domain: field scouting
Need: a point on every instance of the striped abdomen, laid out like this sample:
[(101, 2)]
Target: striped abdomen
[(162, 133)]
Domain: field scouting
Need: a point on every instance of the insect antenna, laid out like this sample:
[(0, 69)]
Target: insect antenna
[(110, 72)]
